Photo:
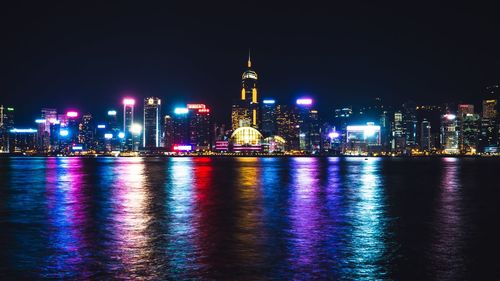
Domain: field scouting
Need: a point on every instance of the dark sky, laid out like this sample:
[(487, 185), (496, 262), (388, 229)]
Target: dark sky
[(87, 55)]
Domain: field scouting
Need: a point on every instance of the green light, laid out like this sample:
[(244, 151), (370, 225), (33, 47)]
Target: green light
[(10, 109)]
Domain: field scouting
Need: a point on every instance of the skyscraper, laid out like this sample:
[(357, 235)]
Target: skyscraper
[(86, 134), (268, 119), (245, 112), (152, 111), (128, 120), (425, 135), (449, 134), (287, 123), (200, 130), (398, 136), (488, 137), (6, 124)]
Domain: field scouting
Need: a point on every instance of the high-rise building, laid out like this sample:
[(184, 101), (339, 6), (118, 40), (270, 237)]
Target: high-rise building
[(488, 137), (469, 133), (180, 133), (200, 127), (449, 134), (49, 118), (398, 142), (86, 135), (128, 120), (410, 124), (342, 117), (268, 119), (6, 124), (309, 126), (432, 114), (245, 112), (287, 123), (168, 132), (152, 111), (425, 136)]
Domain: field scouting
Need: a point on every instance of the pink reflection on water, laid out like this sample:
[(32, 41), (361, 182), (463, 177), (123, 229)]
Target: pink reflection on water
[(305, 216), (68, 215), (447, 260), (130, 217)]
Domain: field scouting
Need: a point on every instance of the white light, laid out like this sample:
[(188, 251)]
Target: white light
[(108, 136), (136, 129), (112, 113), (40, 121), (450, 116), (304, 101), (63, 133), (181, 110), (269, 101), (101, 126), (333, 135), (121, 135)]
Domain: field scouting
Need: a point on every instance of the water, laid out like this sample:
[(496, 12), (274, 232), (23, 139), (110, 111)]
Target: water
[(249, 218)]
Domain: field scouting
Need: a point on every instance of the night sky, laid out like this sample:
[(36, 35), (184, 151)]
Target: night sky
[(87, 56)]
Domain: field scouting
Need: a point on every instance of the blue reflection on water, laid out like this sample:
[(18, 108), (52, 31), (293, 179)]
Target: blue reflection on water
[(367, 219)]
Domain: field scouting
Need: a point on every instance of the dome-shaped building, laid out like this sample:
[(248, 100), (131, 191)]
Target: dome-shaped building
[(246, 139)]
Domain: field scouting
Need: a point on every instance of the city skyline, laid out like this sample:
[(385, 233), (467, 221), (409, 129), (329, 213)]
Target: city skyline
[(339, 57)]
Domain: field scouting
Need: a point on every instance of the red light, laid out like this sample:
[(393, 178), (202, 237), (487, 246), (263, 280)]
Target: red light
[(203, 110), (195, 105)]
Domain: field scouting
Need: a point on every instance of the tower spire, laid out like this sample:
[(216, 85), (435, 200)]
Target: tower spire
[(249, 60)]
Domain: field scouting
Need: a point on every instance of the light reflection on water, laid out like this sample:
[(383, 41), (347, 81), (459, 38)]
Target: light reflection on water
[(230, 219)]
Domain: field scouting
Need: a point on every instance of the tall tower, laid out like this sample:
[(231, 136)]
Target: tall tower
[(128, 120), (151, 137), (246, 111)]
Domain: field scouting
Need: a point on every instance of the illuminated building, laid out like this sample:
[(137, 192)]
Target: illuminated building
[(86, 129), (274, 144), (152, 111), (287, 123), (179, 133), (342, 117), (47, 120), (410, 124), (246, 139), (6, 124), (469, 133), (200, 130), (449, 134), (128, 120), (112, 127), (425, 135), (363, 139), (431, 114), (309, 128), (488, 137), (269, 116), (23, 140), (246, 111), (398, 140), (168, 132)]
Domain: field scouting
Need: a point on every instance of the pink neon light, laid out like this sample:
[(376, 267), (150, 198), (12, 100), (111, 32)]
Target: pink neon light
[(72, 114), (128, 101), (204, 110)]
